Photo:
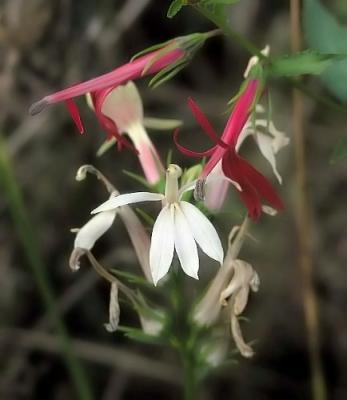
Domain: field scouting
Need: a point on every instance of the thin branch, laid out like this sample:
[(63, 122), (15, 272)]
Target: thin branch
[(304, 226), (96, 353)]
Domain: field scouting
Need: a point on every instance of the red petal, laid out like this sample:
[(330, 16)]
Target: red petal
[(205, 123), (232, 169), (75, 115), (111, 129), (261, 184), (191, 153)]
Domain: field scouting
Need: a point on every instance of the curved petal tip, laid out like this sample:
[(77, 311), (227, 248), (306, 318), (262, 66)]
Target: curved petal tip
[(37, 107)]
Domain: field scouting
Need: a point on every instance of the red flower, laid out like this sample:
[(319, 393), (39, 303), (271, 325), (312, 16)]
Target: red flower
[(253, 184)]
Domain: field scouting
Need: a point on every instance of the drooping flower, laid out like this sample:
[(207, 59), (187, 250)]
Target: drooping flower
[(179, 226), (253, 184), (165, 60), (227, 296)]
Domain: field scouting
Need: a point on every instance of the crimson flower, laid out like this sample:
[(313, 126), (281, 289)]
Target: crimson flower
[(253, 184)]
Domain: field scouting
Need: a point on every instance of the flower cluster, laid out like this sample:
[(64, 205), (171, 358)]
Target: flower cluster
[(182, 226)]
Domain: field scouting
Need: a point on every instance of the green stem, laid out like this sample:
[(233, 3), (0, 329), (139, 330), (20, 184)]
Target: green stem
[(228, 31), (190, 378), (253, 49), (184, 335), (25, 232)]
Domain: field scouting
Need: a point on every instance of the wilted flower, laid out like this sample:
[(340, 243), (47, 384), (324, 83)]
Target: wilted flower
[(228, 293), (179, 225), (114, 309)]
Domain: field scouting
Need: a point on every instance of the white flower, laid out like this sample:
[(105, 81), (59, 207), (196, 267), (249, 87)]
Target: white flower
[(179, 226), (89, 234)]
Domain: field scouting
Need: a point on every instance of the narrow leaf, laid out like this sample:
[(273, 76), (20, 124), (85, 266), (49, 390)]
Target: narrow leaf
[(174, 8), (306, 62)]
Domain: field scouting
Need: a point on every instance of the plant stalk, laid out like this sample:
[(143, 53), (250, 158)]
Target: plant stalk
[(304, 226), (26, 235)]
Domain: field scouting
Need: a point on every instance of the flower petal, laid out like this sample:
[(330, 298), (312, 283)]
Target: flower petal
[(124, 106), (205, 123), (266, 149), (260, 183), (185, 244), (147, 153), (75, 115), (203, 231), (94, 229), (128, 198), (162, 244)]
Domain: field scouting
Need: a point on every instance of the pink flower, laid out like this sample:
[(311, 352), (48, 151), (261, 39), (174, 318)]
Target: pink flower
[(253, 184), (165, 60), (122, 107), (100, 86)]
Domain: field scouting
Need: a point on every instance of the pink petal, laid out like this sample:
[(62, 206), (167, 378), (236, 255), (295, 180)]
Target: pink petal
[(129, 71)]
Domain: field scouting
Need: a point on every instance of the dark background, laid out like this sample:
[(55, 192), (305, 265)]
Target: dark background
[(46, 45)]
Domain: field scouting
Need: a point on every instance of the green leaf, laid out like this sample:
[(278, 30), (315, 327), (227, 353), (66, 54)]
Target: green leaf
[(306, 62), (174, 8), (140, 336), (216, 2), (138, 178), (106, 146), (161, 124), (215, 10), (324, 34), (340, 151), (133, 278)]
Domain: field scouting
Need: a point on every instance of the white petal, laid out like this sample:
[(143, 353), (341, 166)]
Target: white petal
[(246, 131), (187, 187), (94, 229), (223, 178), (280, 139), (266, 149), (185, 244), (129, 198), (162, 244), (203, 231), (124, 106)]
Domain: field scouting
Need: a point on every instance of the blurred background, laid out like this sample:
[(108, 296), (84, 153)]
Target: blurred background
[(45, 46)]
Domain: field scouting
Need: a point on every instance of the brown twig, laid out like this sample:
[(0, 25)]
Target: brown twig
[(110, 356), (304, 226)]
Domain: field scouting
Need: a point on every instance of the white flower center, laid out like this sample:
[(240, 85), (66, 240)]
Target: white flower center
[(173, 173)]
